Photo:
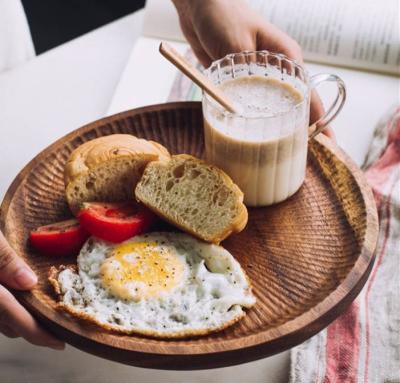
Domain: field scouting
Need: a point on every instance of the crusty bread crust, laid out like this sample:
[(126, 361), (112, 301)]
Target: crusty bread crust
[(103, 149), (53, 279), (236, 226)]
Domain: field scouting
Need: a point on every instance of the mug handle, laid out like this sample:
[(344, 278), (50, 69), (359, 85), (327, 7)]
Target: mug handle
[(336, 106)]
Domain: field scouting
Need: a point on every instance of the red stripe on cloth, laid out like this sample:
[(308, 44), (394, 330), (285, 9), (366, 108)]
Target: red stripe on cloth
[(378, 174), (342, 348), (372, 278)]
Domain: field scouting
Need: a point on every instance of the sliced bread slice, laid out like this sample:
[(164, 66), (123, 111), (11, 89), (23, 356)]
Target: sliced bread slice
[(194, 196)]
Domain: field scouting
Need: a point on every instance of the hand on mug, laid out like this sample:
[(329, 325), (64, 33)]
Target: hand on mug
[(15, 321), (215, 28)]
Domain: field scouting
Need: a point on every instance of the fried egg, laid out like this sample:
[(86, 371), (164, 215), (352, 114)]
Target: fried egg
[(157, 284)]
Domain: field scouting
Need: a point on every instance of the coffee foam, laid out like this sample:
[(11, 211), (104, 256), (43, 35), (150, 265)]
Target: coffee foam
[(267, 109), (259, 96)]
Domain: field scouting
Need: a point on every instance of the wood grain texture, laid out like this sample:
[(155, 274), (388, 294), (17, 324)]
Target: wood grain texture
[(307, 257)]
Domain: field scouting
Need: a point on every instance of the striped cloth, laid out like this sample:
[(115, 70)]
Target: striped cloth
[(363, 345)]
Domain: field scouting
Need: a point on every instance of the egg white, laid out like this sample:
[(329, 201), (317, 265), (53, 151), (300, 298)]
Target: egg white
[(210, 295)]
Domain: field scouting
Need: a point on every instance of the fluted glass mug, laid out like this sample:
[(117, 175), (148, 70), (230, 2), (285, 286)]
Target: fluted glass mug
[(266, 154)]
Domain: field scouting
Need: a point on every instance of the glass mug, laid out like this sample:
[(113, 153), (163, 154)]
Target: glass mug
[(264, 154)]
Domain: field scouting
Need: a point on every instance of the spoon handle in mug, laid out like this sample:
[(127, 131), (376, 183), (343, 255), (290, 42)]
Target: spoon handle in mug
[(196, 76)]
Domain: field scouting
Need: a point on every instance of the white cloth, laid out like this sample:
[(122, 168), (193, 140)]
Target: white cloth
[(16, 44)]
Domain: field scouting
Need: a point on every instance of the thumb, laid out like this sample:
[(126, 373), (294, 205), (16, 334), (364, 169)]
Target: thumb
[(14, 272)]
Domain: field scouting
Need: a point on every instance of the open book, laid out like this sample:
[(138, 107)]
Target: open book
[(361, 34), (357, 40)]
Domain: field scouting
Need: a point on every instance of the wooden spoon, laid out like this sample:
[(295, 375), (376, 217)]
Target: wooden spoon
[(196, 76)]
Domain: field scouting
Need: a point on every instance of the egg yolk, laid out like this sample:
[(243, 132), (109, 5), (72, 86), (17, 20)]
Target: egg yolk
[(141, 270)]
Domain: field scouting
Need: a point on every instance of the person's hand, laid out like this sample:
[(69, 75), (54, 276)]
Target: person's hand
[(215, 28), (15, 321)]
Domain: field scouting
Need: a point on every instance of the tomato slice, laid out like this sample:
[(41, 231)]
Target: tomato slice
[(59, 239), (115, 222)]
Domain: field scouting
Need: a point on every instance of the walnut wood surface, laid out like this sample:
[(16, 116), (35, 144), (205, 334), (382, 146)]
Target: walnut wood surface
[(307, 257)]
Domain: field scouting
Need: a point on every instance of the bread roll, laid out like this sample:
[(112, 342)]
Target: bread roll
[(108, 168)]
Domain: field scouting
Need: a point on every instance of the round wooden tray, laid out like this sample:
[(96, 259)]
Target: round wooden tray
[(307, 257)]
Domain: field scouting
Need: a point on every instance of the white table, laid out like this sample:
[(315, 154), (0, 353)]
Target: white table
[(40, 102)]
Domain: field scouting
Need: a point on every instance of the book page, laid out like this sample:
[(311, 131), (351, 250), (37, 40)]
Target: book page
[(363, 34)]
